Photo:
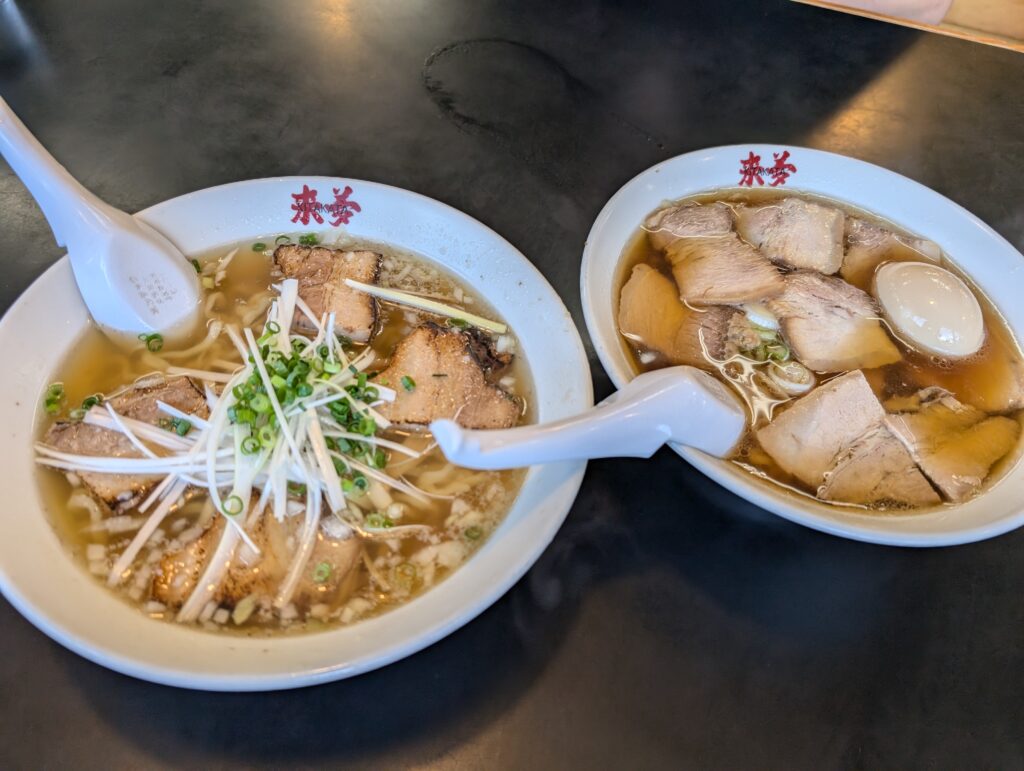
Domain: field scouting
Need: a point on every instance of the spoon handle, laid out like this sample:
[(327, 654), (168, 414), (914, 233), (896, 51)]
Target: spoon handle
[(679, 404), (69, 207)]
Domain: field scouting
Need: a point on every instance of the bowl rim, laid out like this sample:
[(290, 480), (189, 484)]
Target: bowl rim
[(863, 527), (550, 490)]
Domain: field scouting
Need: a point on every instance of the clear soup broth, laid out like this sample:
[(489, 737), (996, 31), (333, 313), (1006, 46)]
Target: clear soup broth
[(990, 381), (452, 510)]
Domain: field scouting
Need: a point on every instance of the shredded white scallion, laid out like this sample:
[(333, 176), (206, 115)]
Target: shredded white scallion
[(424, 304)]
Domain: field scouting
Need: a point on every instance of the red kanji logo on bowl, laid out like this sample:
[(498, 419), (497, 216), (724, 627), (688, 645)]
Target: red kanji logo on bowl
[(307, 207), (752, 171)]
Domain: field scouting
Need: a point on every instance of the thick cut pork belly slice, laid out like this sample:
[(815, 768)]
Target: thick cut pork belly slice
[(722, 271), (117, 492), (651, 313), (321, 274), (807, 438), (668, 225), (795, 233), (333, 557), (830, 325), (139, 402), (955, 444), (441, 373), (877, 469)]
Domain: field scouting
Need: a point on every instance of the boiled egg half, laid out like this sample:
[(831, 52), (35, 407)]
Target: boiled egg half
[(930, 308)]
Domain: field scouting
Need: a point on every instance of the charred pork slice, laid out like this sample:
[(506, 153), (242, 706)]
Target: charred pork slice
[(321, 274), (830, 325), (668, 225), (869, 245), (122, 491), (117, 491), (651, 313), (795, 233), (140, 401), (807, 438), (441, 373), (334, 556), (877, 469), (955, 444), (722, 271)]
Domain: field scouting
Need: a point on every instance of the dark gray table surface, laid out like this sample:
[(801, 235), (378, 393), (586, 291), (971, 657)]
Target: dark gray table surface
[(670, 624)]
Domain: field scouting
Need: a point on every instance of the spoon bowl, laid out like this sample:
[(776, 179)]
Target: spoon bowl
[(133, 280)]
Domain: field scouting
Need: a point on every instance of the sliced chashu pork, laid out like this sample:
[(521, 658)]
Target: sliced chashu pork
[(955, 444), (722, 270), (830, 325), (333, 557), (795, 233), (869, 245), (877, 469), (321, 274), (651, 314), (807, 438), (835, 441), (442, 373), (668, 225), (139, 402)]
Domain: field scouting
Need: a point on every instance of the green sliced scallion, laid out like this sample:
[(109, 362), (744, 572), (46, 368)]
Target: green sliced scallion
[(260, 403), (322, 572), (54, 398), (267, 436), (233, 506), (378, 521), (245, 415), (154, 342), (91, 401)]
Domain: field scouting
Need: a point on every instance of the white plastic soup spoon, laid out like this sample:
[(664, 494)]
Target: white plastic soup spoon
[(682, 405), (133, 280)]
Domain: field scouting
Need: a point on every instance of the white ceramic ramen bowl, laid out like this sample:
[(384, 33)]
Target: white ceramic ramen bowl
[(39, 577), (994, 265)]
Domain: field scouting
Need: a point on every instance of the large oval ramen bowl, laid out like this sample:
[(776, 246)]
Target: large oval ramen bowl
[(56, 594), (995, 266)]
